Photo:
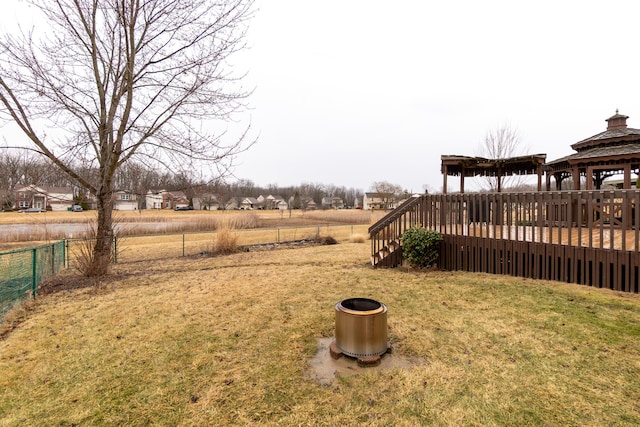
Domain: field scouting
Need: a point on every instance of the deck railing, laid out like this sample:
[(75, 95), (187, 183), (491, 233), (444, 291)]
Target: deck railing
[(589, 237)]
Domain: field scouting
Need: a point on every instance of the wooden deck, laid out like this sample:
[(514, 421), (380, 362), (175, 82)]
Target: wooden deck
[(584, 237)]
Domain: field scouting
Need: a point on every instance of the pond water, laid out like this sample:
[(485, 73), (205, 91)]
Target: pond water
[(42, 231)]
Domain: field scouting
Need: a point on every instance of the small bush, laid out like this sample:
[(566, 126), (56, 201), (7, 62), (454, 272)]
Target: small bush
[(226, 239), (326, 240), (358, 238), (84, 253), (420, 246)]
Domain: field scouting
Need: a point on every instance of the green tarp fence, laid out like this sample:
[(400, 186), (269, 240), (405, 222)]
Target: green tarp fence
[(22, 271)]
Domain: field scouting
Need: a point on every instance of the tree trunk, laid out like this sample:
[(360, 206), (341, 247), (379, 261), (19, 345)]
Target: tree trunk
[(102, 253)]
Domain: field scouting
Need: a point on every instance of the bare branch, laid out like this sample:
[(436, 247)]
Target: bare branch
[(111, 80)]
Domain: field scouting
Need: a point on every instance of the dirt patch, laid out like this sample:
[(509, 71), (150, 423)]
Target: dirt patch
[(284, 245), (325, 369), (293, 244), (71, 282)]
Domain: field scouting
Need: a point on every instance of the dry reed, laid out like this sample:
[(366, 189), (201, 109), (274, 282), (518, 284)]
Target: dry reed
[(226, 241), (358, 238)]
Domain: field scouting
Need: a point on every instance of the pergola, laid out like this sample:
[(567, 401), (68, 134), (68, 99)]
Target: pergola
[(612, 152), (464, 166)]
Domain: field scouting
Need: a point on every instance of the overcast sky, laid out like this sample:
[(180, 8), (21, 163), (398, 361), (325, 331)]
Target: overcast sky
[(350, 92)]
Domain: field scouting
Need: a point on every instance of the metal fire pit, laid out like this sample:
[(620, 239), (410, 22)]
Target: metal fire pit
[(361, 329)]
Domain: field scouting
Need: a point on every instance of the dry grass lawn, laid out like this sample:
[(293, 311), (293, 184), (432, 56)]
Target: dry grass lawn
[(227, 341)]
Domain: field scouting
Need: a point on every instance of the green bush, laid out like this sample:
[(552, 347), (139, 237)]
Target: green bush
[(420, 246)]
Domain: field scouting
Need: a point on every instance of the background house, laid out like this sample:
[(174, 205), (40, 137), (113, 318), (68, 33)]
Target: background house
[(125, 201), (332, 203), (232, 204), (53, 198), (206, 201), (272, 202), (163, 199), (378, 201), (250, 203)]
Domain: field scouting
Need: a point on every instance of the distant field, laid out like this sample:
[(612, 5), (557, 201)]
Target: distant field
[(22, 229)]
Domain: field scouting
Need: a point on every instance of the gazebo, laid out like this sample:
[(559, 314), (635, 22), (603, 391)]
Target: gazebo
[(464, 166), (612, 152)]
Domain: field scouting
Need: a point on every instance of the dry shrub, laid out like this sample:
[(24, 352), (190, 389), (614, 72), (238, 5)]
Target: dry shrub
[(358, 238), (226, 240), (83, 251), (326, 240)]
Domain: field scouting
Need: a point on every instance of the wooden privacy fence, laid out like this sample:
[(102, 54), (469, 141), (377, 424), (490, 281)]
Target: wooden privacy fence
[(584, 237)]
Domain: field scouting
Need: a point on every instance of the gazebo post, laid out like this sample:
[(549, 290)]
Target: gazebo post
[(575, 174), (445, 172), (589, 176), (539, 177), (627, 176)]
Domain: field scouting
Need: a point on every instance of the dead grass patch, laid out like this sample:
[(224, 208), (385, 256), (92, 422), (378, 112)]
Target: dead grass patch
[(358, 238), (228, 340)]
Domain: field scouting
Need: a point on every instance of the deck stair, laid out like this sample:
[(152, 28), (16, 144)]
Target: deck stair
[(386, 234)]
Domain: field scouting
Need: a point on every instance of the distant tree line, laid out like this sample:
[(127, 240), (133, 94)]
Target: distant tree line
[(21, 167)]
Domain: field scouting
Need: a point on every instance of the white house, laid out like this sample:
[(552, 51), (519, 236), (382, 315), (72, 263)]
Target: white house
[(153, 199), (378, 201), (125, 201)]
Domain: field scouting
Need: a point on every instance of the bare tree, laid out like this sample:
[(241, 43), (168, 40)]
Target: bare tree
[(110, 80), (501, 143), (387, 192)]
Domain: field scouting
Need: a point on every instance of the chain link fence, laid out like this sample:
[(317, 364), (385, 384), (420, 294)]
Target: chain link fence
[(163, 246), (22, 271)]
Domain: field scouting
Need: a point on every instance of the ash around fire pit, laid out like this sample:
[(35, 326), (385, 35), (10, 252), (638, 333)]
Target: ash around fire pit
[(361, 330)]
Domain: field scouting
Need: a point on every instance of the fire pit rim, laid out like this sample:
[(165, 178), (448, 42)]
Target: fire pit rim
[(381, 308)]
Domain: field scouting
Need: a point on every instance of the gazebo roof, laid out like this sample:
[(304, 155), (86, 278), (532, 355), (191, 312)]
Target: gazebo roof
[(616, 144), (608, 137), (603, 153), (617, 133), (480, 166)]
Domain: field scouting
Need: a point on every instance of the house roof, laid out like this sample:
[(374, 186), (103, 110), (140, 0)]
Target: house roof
[(177, 194), (378, 195), (44, 189)]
